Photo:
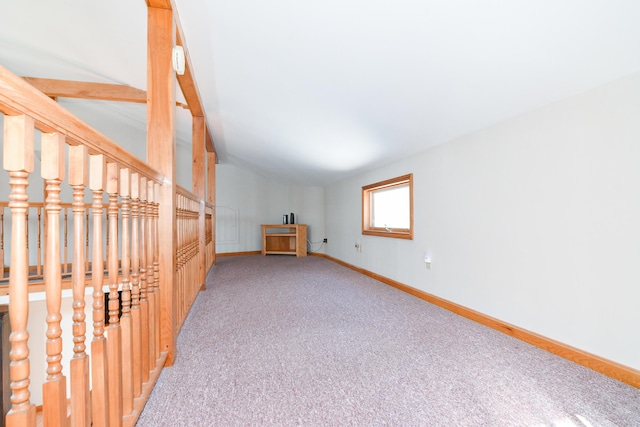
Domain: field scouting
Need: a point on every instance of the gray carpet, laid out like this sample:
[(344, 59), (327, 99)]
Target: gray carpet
[(303, 341)]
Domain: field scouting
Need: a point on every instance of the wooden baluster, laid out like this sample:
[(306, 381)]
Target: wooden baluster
[(2, 239), (180, 257), (125, 321), (66, 242), (18, 161), (87, 254), (79, 365), (156, 264), (107, 238), (178, 254), (144, 302), (99, 383), (54, 390), (114, 337), (135, 286), (39, 265), (152, 296)]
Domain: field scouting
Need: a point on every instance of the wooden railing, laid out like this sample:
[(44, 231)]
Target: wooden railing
[(110, 378), (36, 229)]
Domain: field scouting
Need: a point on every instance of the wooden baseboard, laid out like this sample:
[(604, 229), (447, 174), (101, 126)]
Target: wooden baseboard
[(604, 366), (219, 255)]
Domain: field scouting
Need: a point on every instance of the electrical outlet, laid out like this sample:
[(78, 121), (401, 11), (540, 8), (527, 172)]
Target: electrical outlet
[(358, 247), (427, 261), (324, 240)]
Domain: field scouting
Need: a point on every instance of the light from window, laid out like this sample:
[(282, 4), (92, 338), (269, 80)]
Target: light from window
[(387, 208)]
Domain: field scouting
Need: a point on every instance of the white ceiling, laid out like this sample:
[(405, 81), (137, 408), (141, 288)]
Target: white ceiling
[(312, 92)]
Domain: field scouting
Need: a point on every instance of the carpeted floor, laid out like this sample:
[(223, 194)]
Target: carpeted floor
[(303, 341)]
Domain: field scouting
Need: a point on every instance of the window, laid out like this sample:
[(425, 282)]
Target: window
[(387, 208)]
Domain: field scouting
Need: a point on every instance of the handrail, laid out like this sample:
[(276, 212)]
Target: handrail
[(17, 97)]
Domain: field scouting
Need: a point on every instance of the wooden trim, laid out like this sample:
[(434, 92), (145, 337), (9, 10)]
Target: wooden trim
[(599, 364), (226, 254)]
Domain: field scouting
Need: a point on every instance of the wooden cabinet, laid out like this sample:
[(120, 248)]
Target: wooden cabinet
[(284, 239)]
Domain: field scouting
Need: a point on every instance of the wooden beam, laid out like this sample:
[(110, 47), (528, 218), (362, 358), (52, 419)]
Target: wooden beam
[(211, 177), (189, 87), (209, 143), (160, 4), (198, 157), (86, 90), (186, 81), (54, 89)]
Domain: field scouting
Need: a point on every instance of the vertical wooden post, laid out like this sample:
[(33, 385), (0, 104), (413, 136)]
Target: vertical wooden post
[(99, 383), (79, 365), (18, 161), (54, 390), (125, 321), (199, 134), (161, 154), (144, 302), (136, 338), (114, 338), (211, 195)]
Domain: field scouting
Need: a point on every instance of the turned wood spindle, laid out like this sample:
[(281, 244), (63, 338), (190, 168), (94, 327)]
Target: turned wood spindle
[(135, 286), (125, 321), (79, 365), (113, 332), (18, 161), (99, 383), (144, 302)]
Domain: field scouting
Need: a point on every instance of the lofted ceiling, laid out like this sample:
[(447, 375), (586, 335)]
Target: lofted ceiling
[(312, 92)]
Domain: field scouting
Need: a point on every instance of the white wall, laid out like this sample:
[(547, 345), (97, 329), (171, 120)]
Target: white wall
[(259, 200), (534, 221)]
